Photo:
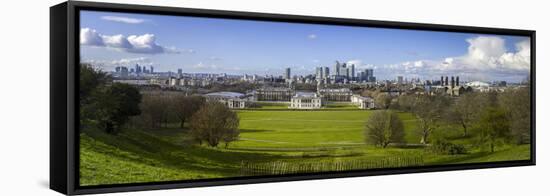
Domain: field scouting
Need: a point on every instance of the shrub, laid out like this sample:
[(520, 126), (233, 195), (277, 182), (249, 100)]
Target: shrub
[(441, 146)]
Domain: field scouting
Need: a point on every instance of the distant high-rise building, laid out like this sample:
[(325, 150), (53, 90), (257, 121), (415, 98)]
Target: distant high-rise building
[(370, 75), (124, 71), (287, 73), (446, 80), (346, 71), (180, 72), (152, 69), (442, 81), (117, 69), (457, 81), (132, 70), (319, 73), (399, 79), (326, 72), (352, 72), (138, 69), (144, 69), (337, 69)]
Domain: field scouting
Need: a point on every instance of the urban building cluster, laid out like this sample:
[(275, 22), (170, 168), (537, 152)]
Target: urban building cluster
[(331, 85), (295, 99)]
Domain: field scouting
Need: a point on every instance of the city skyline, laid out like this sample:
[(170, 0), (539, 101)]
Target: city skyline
[(237, 47)]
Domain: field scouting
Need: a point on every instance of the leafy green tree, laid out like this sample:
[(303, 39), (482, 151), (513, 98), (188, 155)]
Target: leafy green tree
[(115, 104), (494, 127), (517, 105), (90, 80), (384, 127), (213, 123), (103, 103)]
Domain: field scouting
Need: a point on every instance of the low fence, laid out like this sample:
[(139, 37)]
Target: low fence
[(292, 167)]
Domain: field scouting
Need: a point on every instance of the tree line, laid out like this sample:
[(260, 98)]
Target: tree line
[(208, 122), (494, 117), (112, 107)]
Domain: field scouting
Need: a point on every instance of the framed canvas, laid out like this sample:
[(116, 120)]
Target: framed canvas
[(146, 97)]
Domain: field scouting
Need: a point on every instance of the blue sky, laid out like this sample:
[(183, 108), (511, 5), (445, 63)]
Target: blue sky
[(203, 45)]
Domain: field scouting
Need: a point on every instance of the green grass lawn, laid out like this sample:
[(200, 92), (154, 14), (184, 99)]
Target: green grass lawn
[(266, 136), (290, 129)]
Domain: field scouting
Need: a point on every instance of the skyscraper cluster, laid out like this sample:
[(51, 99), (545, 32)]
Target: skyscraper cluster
[(124, 71), (344, 70)]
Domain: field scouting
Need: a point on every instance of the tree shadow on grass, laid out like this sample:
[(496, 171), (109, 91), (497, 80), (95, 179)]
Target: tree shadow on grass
[(152, 150), (254, 130)]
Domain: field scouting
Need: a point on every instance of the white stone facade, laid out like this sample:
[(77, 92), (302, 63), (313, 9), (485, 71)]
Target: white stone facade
[(306, 101), (363, 102)]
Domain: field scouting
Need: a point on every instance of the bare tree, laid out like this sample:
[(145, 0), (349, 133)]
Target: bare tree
[(384, 127), (213, 123), (382, 100), (185, 106), (466, 110), (429, 110), (156, 109), (406, 102)]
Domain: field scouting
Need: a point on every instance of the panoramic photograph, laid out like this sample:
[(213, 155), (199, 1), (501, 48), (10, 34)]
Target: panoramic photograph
[(179, 98)]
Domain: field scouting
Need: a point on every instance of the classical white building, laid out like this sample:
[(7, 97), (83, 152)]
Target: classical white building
[(363, 102), (230, 99), (306, 100)]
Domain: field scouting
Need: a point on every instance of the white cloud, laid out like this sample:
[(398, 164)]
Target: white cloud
[(487, 57), (489, 53), (90, 37), (116, 41), (126, 20), (145, 44), (312, 36), (359, 64), (132, 61)]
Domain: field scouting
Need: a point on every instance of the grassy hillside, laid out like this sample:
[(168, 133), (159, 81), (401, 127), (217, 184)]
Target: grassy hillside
[(322, 136)]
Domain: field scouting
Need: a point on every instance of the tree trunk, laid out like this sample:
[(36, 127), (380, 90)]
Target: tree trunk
[(465, 133), (424, 139)]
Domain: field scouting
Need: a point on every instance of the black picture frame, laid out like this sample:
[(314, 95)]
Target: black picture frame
[(64, 56)]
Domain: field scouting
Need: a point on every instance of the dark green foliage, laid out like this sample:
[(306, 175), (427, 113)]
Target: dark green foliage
[(103, 104), (115, 104), (517, 105), (494, 128), (444, 147), (90, 80)]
